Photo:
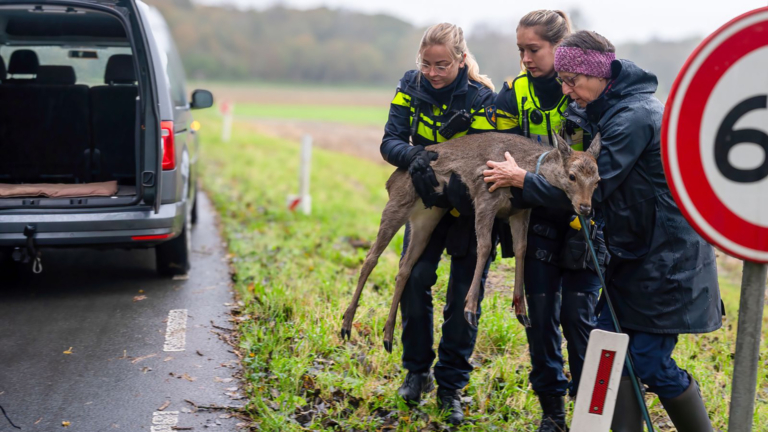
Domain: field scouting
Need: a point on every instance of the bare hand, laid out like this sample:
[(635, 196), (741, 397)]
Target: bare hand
[(504, 174)]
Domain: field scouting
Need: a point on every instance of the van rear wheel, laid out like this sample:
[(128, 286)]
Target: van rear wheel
[(194, 208), (172, 257)]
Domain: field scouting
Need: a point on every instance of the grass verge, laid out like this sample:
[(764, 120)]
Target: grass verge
[(296, 274)]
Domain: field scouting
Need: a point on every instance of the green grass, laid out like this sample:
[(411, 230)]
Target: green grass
[(296, 274), (366, 116)]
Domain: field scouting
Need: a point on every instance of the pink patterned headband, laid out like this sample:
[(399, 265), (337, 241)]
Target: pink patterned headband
[(584, 61)]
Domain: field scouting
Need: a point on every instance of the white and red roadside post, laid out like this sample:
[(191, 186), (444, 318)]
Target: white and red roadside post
[(303, 200), (715, 154), (600, 380), (226, 108)]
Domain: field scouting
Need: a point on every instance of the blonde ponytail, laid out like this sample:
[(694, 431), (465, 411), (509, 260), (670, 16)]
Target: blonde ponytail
[(452, 37)]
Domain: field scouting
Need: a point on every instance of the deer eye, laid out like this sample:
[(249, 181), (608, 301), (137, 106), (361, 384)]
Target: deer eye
[(572, 177)]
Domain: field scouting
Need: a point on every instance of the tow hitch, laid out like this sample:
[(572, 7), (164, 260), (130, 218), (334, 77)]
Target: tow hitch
[(30, 253)]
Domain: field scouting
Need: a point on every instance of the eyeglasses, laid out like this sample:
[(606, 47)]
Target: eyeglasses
[(439, 70), (571, 82)]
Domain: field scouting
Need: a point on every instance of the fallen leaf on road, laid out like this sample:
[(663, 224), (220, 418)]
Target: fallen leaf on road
[(69, 351), (164, 405), (199, 353), (222, 380), (139, 298), (188, 378), (181, 277), (39, 420), (146, 369), (141, 291), (138, 359), (169, 358), (125, 355), (65, 423)]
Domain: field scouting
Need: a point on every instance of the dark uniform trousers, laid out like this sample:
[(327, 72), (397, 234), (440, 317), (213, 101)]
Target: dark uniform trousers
[(557, 297), (652, 357), (458, 340)]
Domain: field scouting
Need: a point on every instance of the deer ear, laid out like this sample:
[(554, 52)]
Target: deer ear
[(563, 148), (594, 148)]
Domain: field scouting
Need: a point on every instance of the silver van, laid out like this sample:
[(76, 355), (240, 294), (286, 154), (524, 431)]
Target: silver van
[(97, 142)]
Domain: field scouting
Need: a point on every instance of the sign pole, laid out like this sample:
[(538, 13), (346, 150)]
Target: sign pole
[(745, 363)]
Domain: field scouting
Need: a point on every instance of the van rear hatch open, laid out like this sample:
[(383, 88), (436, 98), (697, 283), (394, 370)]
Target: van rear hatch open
[(79, 125)]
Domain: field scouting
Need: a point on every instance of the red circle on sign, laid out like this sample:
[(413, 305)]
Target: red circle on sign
[(688, 127)]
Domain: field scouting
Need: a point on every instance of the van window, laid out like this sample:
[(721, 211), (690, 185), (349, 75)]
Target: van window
[(173, 66), (88, 71)]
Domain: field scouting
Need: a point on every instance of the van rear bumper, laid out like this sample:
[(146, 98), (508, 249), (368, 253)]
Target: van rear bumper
[(98, 227)]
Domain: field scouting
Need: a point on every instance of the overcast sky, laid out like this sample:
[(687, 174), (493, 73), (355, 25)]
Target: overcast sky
[(618, 20)]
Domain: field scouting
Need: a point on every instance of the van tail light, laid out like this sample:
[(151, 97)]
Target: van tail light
[(169, 152)]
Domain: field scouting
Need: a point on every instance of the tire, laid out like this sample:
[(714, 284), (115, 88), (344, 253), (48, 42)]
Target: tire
[(172, 258), (194, 208)]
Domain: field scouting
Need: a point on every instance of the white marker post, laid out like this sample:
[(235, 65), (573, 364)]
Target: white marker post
[(226, 108), (303, 200), (600, 380)]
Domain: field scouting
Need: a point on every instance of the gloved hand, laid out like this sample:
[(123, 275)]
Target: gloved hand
[(423, 176)]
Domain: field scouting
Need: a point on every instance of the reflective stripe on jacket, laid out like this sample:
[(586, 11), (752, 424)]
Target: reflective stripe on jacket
[(509, 105), (410, 99)]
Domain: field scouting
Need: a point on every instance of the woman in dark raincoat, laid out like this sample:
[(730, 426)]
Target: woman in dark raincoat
[(662, 276)]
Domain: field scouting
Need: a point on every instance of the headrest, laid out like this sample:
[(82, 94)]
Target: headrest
[(120, 70), (23, 62), (60, 75)]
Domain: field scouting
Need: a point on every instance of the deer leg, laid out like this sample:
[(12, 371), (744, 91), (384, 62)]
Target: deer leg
[(484, 218), (423, 222), (519, 225), (393, 217)]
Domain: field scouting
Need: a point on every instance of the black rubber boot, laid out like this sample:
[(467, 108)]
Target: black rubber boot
[(415, 385), (687, 411), (450, 402), (553, 414), (627, 416)]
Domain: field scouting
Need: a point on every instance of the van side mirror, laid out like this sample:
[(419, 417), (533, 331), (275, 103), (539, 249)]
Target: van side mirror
[(201, 99)]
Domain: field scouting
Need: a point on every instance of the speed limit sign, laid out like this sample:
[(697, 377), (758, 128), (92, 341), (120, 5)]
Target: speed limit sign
[(714, 145), (715, 137)]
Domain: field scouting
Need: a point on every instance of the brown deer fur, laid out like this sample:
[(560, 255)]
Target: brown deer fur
[(467, 157)]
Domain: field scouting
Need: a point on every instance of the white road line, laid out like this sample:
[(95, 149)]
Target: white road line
[(164, 421), (176, 332)]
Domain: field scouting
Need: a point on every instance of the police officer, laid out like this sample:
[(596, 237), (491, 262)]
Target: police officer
[(444, 98), (561, 285)]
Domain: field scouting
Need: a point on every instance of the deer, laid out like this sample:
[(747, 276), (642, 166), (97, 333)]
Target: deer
[(574, 172)]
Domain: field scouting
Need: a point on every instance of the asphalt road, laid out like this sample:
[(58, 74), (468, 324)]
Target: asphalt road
[(77, 345)]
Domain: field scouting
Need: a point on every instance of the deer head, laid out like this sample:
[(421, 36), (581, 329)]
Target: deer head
[(579, 176)]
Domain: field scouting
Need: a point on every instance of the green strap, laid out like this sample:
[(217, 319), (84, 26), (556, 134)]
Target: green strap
[(541, 158), (628, 359)]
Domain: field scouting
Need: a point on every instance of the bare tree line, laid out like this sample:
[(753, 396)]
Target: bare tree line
[(343, 47)]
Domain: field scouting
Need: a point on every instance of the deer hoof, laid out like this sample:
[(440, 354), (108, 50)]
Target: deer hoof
[(524, 320), (388, 346), (471, 318), (345, 334)]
